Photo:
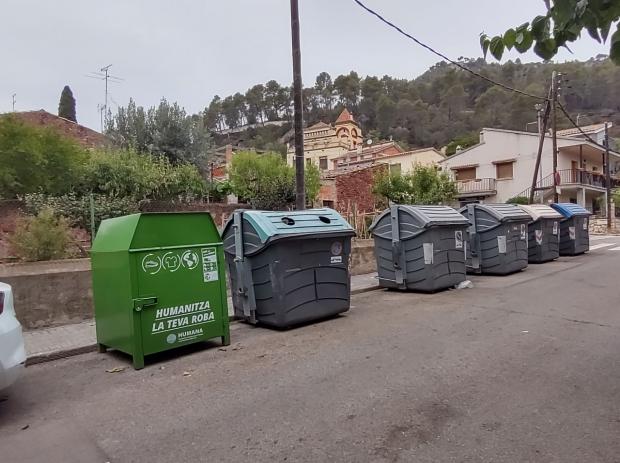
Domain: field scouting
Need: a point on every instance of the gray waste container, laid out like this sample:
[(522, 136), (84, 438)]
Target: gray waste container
[(543, 240), (288, 267), (420, 248), (574, 231), (497, 238)]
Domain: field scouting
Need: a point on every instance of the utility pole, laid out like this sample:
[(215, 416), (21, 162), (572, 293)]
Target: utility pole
[(13, 96), (607, 178), (554, 141), (542, 129), (298, 108)]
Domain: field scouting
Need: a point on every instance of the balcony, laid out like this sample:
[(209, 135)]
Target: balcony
[(574, 178), (476, 187)]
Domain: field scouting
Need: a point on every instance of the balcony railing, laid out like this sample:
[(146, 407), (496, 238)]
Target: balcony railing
[(479, 186), (583, 177), (573, 177)]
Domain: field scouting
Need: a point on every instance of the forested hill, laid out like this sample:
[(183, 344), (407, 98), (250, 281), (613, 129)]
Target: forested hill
[(441, 105)]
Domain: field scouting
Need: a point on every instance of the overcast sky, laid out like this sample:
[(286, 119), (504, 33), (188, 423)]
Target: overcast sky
[(188, 50)]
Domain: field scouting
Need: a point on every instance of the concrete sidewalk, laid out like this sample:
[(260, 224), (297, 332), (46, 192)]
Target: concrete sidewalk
[(47, 344)]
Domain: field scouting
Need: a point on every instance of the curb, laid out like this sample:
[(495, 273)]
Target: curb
[(60, 354), (365, 290), (44, 357)]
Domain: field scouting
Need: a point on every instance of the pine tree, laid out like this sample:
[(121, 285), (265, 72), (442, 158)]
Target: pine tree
[(66, 106)]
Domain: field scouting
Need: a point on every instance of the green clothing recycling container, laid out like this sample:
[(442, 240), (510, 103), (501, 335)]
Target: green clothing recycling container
[(158, 283), (288, 267)]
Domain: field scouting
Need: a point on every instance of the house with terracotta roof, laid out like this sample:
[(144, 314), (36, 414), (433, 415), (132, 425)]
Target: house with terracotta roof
[(501, 166), (388, 153), (85, 136), (325, 142)]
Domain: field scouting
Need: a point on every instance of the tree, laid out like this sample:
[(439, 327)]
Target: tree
[(563, 23), (162, 130), (66, 106), (255, 99), (347, 87), (267, 182), (424, 185)]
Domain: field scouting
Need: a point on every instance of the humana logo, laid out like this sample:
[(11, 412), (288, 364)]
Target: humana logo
[(182, 309)]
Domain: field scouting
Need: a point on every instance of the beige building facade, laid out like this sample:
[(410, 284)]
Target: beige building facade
[(501, 167), (325, 142)]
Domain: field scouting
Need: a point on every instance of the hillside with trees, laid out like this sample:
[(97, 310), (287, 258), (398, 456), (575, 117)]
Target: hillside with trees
[(441, 105)]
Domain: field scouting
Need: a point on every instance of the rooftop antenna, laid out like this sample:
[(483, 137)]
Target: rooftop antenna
[(104, 74)]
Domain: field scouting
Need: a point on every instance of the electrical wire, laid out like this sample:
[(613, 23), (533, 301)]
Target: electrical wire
[(441, 55), (570, 119)]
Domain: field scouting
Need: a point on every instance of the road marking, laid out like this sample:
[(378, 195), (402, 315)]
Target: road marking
[(614, 249), (602, 245)]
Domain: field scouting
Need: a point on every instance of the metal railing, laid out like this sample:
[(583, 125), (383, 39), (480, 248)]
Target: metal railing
[(479, 185), (573, 177)]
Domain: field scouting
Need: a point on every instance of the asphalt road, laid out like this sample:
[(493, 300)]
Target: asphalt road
[(524, 368)]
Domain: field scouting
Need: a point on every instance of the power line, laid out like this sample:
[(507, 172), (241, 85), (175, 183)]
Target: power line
[(441, 55), (570, 119)]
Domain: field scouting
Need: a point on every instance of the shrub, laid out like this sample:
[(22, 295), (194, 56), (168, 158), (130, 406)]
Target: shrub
[(127, 174), (37, 159), (266, 181), (41, 237), (76, 209), (518, 200), (424, 185)]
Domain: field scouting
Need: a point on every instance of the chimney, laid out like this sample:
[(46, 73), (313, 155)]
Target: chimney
[(229, 154)]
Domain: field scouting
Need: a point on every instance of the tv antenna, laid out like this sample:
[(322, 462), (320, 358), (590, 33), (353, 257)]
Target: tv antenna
[(104, 74)]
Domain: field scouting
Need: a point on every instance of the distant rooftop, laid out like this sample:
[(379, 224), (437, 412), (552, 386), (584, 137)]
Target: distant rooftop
[(85, 136)]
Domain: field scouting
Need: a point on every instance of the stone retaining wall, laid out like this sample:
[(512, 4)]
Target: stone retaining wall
[(60, 292)]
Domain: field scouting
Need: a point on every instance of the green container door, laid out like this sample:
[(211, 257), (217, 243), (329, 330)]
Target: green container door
[(179, 296), (158, 283)]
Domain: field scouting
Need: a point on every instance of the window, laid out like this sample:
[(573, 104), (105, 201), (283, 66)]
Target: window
[(467, 173), (323, 163), (503, 170), (395, 169), (328, 203), (308, 162)]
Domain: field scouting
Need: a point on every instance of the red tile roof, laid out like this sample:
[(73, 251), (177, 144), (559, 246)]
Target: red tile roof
[(345, 116)]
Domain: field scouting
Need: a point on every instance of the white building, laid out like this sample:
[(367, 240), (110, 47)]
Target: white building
[(501, 167)]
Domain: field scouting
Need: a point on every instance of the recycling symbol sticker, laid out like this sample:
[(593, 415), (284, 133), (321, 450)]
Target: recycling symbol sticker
[(190, 259), (171, 262), (151, 264)]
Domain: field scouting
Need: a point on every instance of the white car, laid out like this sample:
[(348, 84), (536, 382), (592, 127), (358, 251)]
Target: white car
[(12, 351)]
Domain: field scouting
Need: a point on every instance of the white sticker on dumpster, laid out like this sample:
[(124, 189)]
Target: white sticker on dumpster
[(501, 244), (539, 236), (571, 233), (585, 224), (458, 239), (209, 265), (336, 259), (523, 231), (428, 253), (555, 228), (183, 316)]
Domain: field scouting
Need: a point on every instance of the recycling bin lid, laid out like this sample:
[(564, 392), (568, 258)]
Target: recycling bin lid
[(541, 211), (416, 218), (268, 226), (569, 210), (501, 212)]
